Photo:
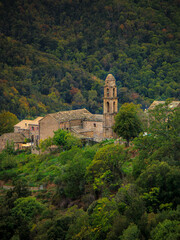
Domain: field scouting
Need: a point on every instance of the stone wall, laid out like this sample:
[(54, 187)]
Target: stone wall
[(47, 126), (108, 124), (88, 133), (95, 127), (72, 123)]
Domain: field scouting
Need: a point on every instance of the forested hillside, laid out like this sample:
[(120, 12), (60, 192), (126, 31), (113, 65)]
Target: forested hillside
[(55, 54), (105, 191)]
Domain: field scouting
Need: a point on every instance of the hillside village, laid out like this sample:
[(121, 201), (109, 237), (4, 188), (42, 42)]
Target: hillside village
[(89, 120), (80, 122)]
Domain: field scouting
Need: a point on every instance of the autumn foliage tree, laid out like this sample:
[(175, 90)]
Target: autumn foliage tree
[(7, 122)]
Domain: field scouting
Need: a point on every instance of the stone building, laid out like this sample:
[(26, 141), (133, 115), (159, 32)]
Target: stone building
[(110, 106), (29, 128), (80, 122), (23, 127), (34, 131), (83, 123), (17, 139)]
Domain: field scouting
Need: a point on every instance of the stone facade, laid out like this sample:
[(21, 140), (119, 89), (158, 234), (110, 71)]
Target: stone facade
[(34, 133), (29, 128), (110, 106), (80, 122), (47, 126)]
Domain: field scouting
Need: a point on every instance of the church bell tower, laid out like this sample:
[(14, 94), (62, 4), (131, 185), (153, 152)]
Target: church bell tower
[(110, 106)]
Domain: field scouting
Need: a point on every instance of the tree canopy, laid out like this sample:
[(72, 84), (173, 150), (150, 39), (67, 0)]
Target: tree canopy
[(127, 122), (7, 122)]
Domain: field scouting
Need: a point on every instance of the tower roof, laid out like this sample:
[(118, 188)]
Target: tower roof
[(110, 77), (110, 80)]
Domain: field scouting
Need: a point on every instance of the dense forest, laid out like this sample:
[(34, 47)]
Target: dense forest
[(105, 191), (55, 54)]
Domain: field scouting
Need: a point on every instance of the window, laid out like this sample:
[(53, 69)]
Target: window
[(94, 124), (33, 128), (113, 92), (107, 106), (114, 105), (107, 92)]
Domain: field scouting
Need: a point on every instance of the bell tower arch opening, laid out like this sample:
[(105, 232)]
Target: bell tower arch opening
[(114, 107), (113, 92), (107, 92), (108, 107)]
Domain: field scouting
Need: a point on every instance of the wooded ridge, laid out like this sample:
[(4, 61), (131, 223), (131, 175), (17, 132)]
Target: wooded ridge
[(55, 55)]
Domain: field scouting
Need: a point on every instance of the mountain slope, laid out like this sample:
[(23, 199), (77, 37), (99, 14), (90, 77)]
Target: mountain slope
[(54, 53)]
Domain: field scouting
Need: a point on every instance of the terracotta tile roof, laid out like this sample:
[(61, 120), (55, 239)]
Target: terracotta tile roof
[(15, 137), (80, 114)]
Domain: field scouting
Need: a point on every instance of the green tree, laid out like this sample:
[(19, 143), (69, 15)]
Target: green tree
[(151, 199), (130, 203), (71, 183), (25, 212), (131, 233), (166, 230), (27, 207), (59, 137), (7, 122), (162, 141), (80, 227), (106, 171), (102, 212), (74, 176), (163, 178), (65, 139), (20, 190), (46, 144), (127, 122)]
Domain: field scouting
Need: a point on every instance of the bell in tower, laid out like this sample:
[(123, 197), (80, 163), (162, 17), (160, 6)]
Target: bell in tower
[(110, 106)]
